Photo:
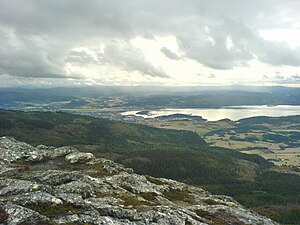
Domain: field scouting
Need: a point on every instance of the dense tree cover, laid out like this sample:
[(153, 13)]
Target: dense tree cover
[(60, 129), (270, 120), (181, 155), (240, 128), (277, 138), (273, 194)]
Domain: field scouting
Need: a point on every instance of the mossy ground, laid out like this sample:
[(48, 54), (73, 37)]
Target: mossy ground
[(71, 223), (155, 180), (218, 218), (134, 201), (179, 195), (3, 216), (212, 202), (49, 210), (94, 170), (150, 196)]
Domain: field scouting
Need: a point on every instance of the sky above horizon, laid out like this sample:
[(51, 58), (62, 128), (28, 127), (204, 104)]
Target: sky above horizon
[(149, 42)]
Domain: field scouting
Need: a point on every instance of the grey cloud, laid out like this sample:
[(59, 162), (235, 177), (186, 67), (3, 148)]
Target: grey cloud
[(29, 56), (209, 46), (265, 76), (129, 58), (168, 53), (295, 79), (279, 79), (211, 75), (80, 58), (20, 62), (277, 53), (48, 30)]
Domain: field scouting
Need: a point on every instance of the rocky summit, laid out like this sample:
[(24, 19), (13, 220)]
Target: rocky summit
[(48, 185)]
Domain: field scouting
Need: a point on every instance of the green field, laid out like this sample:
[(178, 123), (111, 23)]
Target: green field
[(274, 140)]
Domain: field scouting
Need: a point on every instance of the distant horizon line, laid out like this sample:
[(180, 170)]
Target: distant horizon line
[(148, 86)]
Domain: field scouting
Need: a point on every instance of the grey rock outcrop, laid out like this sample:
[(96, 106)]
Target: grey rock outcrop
[(47, 185), (79, 157)]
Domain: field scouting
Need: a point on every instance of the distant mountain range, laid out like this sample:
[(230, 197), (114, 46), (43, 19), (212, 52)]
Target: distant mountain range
[(194, 97)]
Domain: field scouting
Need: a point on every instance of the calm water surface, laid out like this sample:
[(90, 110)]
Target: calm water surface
[(232, 112)]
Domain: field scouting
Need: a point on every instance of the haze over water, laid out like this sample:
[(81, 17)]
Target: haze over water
[(232, 112)]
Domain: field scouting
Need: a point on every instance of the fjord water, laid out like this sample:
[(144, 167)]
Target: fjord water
[(230, 112)]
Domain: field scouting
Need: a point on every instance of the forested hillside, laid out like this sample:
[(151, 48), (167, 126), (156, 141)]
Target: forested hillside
[(181, 155)]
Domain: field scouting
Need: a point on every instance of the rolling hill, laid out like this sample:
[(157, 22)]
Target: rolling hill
[(180, 155)]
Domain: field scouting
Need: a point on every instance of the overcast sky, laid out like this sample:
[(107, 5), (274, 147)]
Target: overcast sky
[(149, 42)]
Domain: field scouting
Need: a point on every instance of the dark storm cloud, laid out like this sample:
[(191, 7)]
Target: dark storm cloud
[(37, 37)]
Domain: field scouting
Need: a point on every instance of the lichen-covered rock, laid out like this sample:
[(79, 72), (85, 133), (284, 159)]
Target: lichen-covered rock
[(111, 166), (44, 147), (12, 151), (55, 177), (65, 186), (78, 187), (79, 157), (133, 182), (37, 197), (62, 151), (71, 198), (90, 217), (16, 186), (21, 215)]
